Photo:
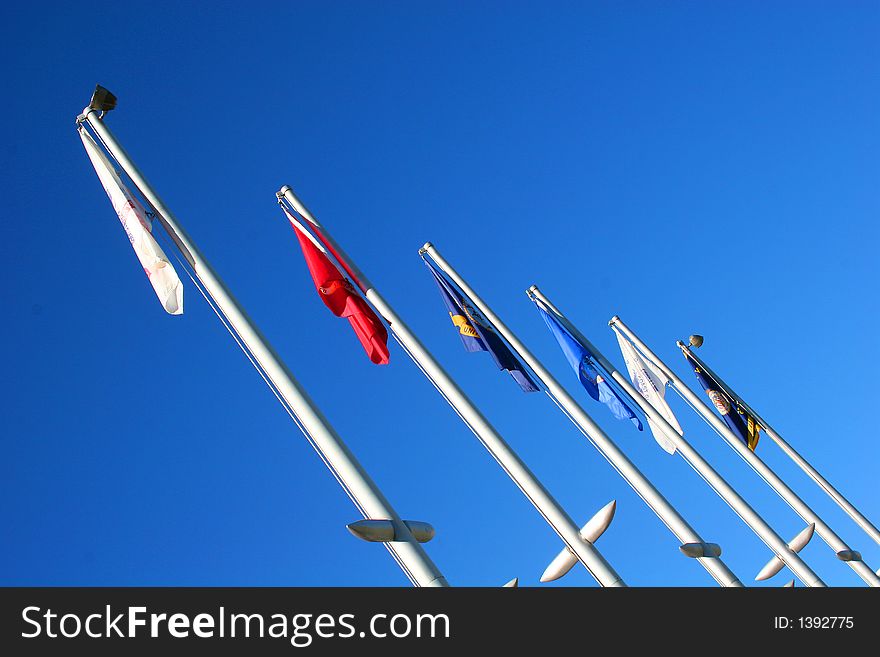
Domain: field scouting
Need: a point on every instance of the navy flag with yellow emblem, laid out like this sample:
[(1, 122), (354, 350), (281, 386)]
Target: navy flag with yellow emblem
[(735, 416), (476, 334)]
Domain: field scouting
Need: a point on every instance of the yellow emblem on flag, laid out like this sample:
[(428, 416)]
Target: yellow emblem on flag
[(753, 429), (754, 432), (464, 326)]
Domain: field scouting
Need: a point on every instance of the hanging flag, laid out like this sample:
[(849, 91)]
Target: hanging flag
[(340, 297), (584, 364), (651, 384), (476, 334), (138, 226), (735, 416)]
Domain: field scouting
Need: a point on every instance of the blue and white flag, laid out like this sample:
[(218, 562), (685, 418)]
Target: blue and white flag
[(583, 363)]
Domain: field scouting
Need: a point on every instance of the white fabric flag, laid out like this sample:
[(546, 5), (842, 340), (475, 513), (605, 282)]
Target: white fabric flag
[(138, 227), (651, 383)]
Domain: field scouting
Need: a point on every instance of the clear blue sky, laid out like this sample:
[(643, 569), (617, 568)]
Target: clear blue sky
[(693, 167)]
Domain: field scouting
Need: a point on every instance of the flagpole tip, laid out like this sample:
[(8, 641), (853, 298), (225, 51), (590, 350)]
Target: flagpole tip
[(613, 320), (281, 192), (427, 246), (102, 99)]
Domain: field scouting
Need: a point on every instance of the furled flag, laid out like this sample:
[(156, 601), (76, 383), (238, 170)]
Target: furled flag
[(651, 384), (583, 363), (735, 416), (338, 294), (476, 334), (138, 226)]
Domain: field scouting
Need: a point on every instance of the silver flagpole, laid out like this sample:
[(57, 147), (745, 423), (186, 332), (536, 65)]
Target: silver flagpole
[(509, 461), (844, 553), (692, 543), (755, 522), (363, 491), (804, 465)]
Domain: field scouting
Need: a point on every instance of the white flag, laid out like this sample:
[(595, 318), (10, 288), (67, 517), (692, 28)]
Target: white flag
[(651, 383), (139, 229)]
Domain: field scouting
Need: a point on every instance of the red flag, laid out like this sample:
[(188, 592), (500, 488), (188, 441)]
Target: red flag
[(340, 297)]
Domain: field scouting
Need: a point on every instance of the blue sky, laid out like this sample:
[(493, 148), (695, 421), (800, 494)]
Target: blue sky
[(692, 167)]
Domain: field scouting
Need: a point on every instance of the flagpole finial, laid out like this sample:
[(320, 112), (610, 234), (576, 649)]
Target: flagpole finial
[(102, 99), (425, 248), (696, 341), (281, 192), (531, 291), (613, 320)]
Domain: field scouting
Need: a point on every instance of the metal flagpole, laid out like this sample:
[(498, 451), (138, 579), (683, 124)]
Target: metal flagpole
[(509, 461), (844, 553), (403, 546), (692, 544), (692, 457), (823, 483)]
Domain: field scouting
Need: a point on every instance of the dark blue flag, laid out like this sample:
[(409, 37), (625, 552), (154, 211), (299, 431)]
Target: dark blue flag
[(735, 416), (583, 363), (477, 335)]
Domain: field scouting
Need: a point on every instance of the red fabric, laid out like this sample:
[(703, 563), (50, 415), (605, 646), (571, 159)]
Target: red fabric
[(339, 296)]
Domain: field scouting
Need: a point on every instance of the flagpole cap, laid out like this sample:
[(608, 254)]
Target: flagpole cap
[(532, 290), (102, 99), (281, 192), (425, 248), (613, 320)]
